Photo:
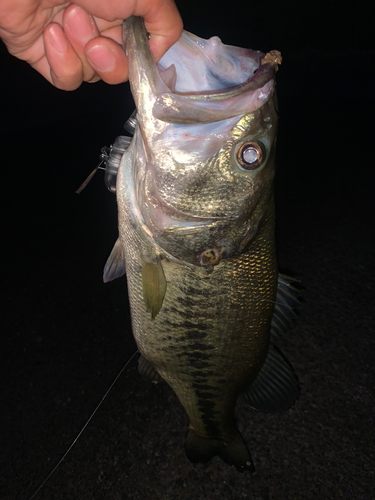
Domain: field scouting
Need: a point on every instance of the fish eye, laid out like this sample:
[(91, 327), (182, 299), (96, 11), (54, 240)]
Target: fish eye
[(250, 155)]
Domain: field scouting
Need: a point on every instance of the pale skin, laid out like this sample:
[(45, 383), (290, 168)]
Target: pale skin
[(70, 43)]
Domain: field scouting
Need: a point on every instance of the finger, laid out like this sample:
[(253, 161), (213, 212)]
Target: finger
[(66, 71), (107, 59), (164, 24), (80, 28), (162, 18)]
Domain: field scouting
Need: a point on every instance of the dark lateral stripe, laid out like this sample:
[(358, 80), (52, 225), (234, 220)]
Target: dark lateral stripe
[(191, 301), (200, 376), (203, 374), (197, 346), (202, 379), (184, 323), (193, 326), (198, 363), (188, 312), (193, 351), (202, 387), (206, 396), (205, 404), (195, 335), (207, 411), (197, 355), (167, 338)]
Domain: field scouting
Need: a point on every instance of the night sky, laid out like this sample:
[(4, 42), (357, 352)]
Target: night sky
[(66, 335)]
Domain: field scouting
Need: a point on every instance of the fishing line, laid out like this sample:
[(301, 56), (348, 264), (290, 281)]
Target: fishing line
[(84, 427)]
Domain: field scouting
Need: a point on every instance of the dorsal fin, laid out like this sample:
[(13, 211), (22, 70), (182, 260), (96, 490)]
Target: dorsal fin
[(286, 302), (275, 388), (115, 265)]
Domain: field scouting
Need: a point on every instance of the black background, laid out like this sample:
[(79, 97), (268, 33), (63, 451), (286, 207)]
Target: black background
[(65, 335)]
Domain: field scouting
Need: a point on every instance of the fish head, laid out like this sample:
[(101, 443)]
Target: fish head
[(203, 154)]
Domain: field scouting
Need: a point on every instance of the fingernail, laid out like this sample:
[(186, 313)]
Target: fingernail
[(80, 25), (101, 58), (58, 39)]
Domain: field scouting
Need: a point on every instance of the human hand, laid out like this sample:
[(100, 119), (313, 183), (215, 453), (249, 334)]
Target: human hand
[(71, 43)]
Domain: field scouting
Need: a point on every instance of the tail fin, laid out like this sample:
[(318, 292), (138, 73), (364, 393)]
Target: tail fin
[(232, 449)]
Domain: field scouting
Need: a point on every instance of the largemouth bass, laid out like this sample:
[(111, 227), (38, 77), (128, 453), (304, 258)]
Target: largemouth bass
[(196, 223)]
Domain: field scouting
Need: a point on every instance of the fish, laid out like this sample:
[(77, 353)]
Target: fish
[(195, 196)]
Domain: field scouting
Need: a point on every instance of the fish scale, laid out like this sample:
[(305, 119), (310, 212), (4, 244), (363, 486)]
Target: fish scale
[(196, 228)]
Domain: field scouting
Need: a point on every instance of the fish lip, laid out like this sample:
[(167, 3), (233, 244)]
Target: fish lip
[(198, 106), (185, 223), (262, 75)]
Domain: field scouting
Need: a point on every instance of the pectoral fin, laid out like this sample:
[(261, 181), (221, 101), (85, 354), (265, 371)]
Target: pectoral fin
[(154, 286), (115, 265)]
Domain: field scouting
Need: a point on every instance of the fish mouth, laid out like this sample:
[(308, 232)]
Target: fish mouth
[(174, 102), (216, 105)]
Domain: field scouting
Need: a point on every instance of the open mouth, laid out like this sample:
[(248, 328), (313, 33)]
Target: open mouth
[(211, 82)]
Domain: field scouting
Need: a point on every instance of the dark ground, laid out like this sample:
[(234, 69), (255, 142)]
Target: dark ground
[(66, 335)]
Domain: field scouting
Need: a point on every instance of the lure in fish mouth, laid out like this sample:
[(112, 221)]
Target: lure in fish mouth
[(196, 224)]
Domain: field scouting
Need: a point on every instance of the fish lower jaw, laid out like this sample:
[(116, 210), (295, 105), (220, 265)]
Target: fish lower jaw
[(163, 218), (165, 223)]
